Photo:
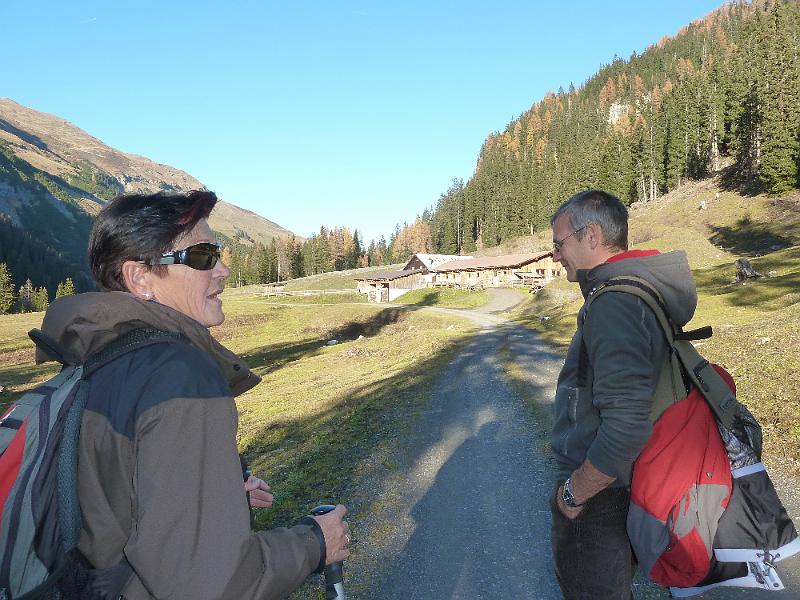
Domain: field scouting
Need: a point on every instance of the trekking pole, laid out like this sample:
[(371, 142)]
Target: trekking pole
[(334, 586)]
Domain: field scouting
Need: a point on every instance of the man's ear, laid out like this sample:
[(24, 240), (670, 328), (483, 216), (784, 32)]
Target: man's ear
[(137, 278), (595, 235)]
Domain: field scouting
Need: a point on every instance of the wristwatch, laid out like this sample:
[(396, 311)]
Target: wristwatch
[(567, 497)]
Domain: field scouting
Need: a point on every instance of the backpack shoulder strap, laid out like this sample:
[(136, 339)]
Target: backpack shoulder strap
[(685, 357), (133, 340), (69, 506), (671, 386), (642, 289)]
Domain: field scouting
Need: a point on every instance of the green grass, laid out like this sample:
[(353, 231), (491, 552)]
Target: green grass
[(339, 280), (17, 370), (444, 297), (312, 298)]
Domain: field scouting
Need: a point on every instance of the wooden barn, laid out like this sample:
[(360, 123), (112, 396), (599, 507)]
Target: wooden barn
[(532, 270), (385, 286), (509, 270)]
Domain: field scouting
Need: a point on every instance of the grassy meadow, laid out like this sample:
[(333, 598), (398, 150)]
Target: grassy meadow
[(445, 298), (340, 280), (756, 324)]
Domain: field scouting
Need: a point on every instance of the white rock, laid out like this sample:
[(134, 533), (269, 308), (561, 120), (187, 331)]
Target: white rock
[(332, 342)]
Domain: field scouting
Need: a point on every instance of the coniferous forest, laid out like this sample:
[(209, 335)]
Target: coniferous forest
[(724, 92)]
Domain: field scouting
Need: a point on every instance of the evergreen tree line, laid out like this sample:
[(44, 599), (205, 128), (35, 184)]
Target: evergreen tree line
[(724, 92), (287, 258), (27, 298), (27, 258)]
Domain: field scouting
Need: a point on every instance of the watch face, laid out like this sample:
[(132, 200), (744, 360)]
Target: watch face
[(567, 496)]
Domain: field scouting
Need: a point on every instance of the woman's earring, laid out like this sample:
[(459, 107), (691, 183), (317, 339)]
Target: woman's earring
[(148, 295)]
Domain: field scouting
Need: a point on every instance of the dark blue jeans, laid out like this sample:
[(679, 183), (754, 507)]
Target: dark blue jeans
[(592, 553)]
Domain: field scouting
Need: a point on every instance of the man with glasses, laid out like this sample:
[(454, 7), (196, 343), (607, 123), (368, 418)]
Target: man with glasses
[(605, 390)]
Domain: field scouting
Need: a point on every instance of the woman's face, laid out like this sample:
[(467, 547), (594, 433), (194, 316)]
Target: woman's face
[(192, 292)]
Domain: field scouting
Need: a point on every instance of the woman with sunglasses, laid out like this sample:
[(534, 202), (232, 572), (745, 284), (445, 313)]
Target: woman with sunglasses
[(164, 509)]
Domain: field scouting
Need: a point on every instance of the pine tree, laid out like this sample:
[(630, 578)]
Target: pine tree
[(25, 296), (778, 169), (6, 289), (40, 300), (65, 288)]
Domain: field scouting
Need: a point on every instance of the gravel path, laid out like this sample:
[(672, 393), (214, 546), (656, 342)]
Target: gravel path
[(463, 513), (468, 505)]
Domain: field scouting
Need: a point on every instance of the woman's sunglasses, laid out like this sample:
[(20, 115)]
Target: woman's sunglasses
[(201, 257)]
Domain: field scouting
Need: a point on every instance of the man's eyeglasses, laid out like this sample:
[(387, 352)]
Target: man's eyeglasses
[(201, 257), (558, 243)]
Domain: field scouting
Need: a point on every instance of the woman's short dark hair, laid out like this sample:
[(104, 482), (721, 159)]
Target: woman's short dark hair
[(142, 226), (599, 207)]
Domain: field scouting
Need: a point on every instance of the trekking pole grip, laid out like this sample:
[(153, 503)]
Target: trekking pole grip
[(334, 572)]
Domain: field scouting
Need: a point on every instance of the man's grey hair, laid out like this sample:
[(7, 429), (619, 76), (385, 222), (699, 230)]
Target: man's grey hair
[(601, 208)]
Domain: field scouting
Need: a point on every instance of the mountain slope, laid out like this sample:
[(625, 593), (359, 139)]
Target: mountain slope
[(54, 177)]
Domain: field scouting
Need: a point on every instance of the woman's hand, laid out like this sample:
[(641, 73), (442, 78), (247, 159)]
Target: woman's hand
[(258, 492), (336, 532)]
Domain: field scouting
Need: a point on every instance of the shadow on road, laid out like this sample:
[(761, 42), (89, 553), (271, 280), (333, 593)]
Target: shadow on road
[(476, 485)]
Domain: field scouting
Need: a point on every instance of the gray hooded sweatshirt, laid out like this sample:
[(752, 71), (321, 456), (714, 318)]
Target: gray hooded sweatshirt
[(607, 420)]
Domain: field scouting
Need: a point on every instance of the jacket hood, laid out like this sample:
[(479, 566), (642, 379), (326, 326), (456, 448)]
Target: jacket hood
[(669, 273), (85, 323)]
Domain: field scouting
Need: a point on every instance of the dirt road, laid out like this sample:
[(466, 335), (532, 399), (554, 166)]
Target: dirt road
[(466, 514)]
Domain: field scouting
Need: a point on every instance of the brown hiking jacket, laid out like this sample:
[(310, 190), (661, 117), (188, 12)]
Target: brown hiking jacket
[(159, 477)]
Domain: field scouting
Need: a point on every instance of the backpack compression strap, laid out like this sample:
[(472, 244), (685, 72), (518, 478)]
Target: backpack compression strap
[(699, 371)]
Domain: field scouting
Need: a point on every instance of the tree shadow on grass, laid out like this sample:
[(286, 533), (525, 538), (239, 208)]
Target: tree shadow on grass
[(429, 298), (749, 238), (266, 359), (734, 181), (310, 460)]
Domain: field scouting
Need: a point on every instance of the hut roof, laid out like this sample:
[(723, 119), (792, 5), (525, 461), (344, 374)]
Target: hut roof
[(432, 261), (506, 261), (386, 275)]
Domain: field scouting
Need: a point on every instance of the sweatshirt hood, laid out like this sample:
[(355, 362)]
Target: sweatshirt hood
[(83, 324), (669, 273)]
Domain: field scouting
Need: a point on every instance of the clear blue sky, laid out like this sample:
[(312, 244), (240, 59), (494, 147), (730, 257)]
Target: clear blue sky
[(349, 113)]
